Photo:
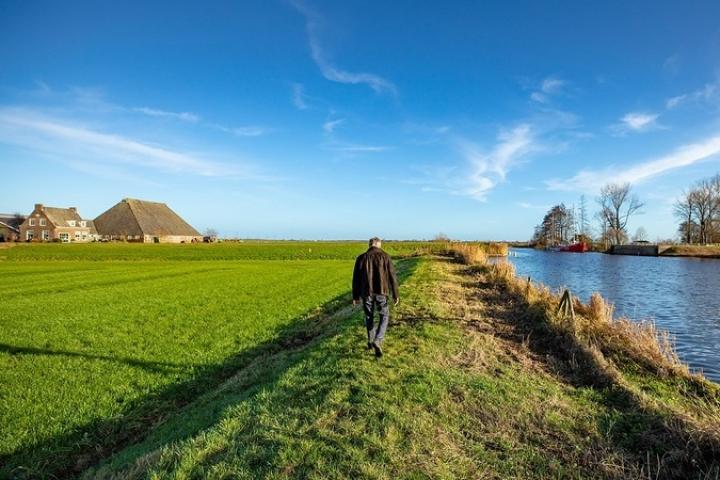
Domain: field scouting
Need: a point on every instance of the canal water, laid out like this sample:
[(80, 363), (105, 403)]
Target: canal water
[(681, 295)]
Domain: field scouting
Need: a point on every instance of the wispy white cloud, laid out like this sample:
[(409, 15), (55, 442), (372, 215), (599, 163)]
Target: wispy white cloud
[(93, 101), (42, 87), (639, 121), (245, 131), (489, 169), (298, 96), (671, 64), (331, 125), (673, 102), (539, 97), (709, 92), (242, 131), (153, 112), (420, 133), (249, 131), (330, 71), (532, 206), (358, 148), (636, 122), (552, 85), (591, 180), (548, 87), (67, 140)]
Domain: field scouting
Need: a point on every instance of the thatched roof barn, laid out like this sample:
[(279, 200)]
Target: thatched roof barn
[(142, 221)]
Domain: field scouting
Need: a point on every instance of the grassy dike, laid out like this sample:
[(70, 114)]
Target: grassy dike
[(698, 251), (480, 380)]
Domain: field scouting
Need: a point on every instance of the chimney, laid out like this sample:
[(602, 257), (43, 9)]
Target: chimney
[(38, 206)]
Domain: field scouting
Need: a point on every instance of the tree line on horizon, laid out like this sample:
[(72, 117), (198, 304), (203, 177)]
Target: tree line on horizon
[(617, 205), (698, 210)]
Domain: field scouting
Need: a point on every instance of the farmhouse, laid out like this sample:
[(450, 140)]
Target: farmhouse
[(51, 223), (142, 221), (10, 227)]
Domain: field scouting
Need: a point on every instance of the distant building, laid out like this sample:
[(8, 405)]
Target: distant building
[(142, 221), (46, 224), (92, 230), (10, 227)]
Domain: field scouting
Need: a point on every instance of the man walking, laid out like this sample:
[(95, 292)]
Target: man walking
[(374, 280)]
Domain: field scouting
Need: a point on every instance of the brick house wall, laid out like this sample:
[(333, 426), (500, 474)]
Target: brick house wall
[(40, 226)]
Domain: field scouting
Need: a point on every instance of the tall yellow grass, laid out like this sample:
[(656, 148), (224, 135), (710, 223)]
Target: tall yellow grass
[(593, 324), (476, 253)]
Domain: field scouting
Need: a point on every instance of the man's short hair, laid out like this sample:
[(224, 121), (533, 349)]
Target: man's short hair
[(374, 242)]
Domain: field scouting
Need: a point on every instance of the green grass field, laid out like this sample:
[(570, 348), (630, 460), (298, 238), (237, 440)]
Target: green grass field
[(136, 364), (245, 250), (87, 347)]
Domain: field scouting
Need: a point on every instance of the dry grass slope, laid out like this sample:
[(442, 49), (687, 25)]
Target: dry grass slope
[(629, 357)]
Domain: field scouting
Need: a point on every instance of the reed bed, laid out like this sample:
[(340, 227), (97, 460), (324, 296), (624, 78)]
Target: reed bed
[(592, 323), (476, 253)]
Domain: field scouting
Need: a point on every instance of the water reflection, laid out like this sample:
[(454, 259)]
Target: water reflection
[(680, 294)]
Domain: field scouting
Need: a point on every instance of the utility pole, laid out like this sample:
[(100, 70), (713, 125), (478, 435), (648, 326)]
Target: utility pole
[(583, 216)]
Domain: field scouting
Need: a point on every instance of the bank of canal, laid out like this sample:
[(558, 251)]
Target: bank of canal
[(680, 294)]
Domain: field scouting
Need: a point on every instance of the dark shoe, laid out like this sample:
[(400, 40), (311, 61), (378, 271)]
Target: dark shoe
[(370, 345), (378, 350)]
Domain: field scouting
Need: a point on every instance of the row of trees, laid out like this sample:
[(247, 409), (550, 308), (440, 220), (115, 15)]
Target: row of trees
[(617, 205), (699, 212), (557, 226)]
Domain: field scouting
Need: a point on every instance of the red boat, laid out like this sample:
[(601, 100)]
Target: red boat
[(577, 247)]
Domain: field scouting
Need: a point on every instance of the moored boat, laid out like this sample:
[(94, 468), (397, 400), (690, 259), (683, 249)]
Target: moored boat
[(576, 247)]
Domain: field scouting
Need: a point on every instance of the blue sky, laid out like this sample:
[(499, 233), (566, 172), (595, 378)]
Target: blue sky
[(311, 119)]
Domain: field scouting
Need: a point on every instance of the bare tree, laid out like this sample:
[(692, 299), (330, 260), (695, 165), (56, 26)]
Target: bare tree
[(703, 202), (685, 210), (617, 205), (699, 212), (713, 227)]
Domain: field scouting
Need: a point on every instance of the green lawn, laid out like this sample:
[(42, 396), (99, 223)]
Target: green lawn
[(451, 399), (89, 349), (245, 250), (158, 368)]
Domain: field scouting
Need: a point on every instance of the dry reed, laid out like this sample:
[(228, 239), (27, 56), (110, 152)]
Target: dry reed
[(593, 325)]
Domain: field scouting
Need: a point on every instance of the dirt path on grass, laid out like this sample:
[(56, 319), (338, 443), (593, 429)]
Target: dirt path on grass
[(488, 310)]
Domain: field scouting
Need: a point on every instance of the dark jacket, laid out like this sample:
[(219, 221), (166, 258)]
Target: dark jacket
[(374, 274)]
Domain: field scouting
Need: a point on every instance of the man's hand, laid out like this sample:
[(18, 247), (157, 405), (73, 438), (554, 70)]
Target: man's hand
[(355, 301), (397, 300)]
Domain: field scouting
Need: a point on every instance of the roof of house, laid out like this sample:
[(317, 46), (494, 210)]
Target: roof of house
[(8, 226), (12, 221), (61, 216), (140, 217)]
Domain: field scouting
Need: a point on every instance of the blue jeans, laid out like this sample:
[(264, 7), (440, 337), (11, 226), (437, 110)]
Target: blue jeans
[(370, 304)]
